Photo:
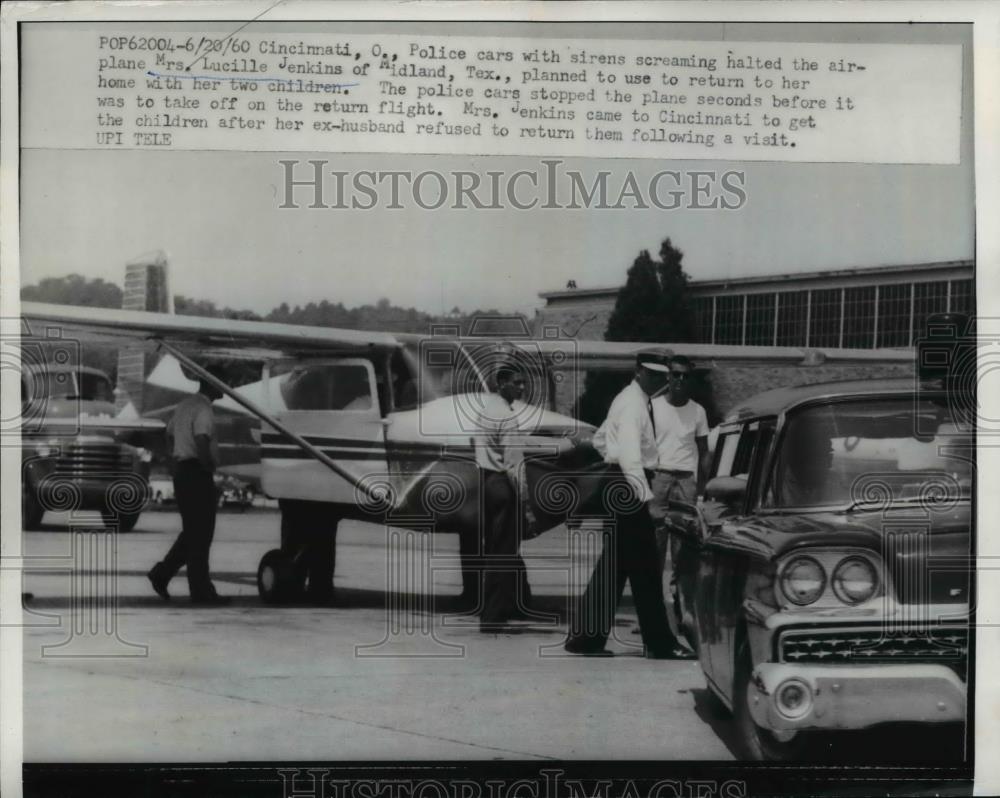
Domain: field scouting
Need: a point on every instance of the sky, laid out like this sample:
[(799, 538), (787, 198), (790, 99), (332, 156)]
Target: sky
[(217, 216)]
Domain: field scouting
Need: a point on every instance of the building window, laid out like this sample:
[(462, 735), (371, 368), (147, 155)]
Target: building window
[(702, 307), (859, 317), (729, 319), (928, 298), (963, 296), (824, 318), (760, 319), (792, 318), (894, 315)]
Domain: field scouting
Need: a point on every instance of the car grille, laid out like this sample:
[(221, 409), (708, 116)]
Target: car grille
[(85, 459), (948, 646)]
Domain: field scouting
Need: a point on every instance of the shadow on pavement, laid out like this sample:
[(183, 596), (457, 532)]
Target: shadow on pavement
[(713, 712), (887, 744)]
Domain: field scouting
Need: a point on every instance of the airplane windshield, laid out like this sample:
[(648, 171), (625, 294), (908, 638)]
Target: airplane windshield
[(437, 367), (432, 369), (853, 453)]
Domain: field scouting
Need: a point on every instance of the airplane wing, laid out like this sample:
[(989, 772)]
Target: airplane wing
[(210, 337), (569, 353)]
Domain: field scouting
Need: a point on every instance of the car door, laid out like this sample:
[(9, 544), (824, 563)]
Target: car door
[(722, 565), (333, 404)]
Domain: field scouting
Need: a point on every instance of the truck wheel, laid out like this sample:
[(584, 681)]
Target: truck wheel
[(125, 522), (277, 579), (759, 744), (32, 511)]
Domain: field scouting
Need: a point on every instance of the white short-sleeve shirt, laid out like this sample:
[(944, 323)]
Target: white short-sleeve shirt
[(676, 430)]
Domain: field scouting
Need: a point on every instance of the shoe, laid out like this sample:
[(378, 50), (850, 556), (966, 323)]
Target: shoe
[(674, 653), (159, 584), (493, 627), (584, 650), (210, 601), (529, 613)]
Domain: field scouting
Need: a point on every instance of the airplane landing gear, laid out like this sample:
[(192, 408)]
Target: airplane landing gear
[(302, 569), (277, 579)]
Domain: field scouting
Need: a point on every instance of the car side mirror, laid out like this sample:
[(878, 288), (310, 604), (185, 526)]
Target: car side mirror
[(727, 490)]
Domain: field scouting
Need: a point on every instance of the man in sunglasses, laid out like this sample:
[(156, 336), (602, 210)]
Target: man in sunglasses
[(682, 450), (681, 440)]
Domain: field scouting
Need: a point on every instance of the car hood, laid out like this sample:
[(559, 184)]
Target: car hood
[(928, 552)]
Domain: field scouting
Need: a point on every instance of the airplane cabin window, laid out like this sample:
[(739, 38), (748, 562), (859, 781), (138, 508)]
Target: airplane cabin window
[(328, 387)]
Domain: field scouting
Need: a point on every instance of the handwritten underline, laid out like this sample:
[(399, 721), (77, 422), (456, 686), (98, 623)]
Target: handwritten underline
[(153, 74)]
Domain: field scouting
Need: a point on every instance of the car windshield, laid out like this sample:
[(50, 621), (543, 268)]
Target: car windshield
[(95, 388), (872, 452), (68, 383)]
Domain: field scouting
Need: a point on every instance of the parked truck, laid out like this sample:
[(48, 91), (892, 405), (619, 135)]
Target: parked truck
[(77, 452)]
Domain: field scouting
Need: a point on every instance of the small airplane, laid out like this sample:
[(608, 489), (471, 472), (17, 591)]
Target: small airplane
[(382, 427)]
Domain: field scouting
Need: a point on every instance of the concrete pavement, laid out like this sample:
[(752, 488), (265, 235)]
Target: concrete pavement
[(386, 676)]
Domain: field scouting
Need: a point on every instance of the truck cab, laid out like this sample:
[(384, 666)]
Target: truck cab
[(78, 454)]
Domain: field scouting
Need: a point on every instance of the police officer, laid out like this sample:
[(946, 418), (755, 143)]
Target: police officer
[(192, 445), (627, 442)]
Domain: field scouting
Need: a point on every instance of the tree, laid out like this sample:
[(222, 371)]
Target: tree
[(635, 316), (74, 289), (652, 306)]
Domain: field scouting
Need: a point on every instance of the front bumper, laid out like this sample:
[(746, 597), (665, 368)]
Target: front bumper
[(77, 493), (853, 696)]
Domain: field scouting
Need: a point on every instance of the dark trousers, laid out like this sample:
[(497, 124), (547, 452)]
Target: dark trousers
[(194, 490), (629, 553), (506, 593), (309, 534)]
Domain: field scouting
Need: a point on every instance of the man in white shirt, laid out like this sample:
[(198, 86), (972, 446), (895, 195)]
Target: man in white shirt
[(683, 459), (506, 594), (193, 448), (627, 443)]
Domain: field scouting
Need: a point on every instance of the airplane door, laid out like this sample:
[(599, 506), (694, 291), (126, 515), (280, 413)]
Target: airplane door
[(333, 404)]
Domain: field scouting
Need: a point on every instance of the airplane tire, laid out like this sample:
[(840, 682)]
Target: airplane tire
[(277, 580)]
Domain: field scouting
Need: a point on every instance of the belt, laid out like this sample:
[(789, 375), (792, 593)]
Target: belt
[(678, 474)]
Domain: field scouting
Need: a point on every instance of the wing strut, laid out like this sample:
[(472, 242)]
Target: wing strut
[(369, 491)]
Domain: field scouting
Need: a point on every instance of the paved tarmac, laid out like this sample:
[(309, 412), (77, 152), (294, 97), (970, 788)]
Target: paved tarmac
[(391, 673)]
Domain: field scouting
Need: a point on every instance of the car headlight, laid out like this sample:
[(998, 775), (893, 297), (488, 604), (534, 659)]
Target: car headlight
[(144, 455), (803, 580), (46, 449), (854, 580)]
